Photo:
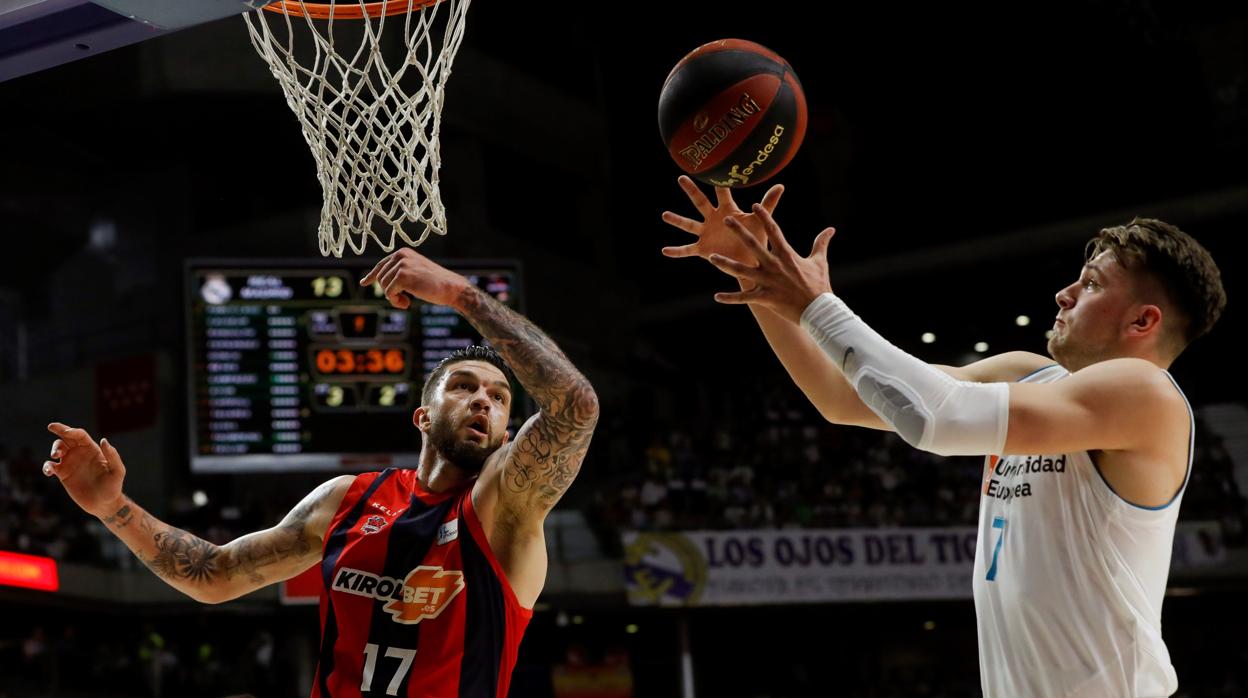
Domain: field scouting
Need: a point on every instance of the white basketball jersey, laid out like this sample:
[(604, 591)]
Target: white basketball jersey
[(1069, 580)]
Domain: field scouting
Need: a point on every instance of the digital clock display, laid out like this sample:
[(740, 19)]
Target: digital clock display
[(367, 362), (295, 366)]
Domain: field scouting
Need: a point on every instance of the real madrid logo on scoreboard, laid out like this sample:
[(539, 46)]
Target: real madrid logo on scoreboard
[(295, 366)]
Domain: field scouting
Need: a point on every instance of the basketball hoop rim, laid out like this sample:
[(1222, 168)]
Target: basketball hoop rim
[(346, 9)]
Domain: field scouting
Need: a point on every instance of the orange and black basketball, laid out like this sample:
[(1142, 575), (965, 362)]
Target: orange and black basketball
[(732, 113)]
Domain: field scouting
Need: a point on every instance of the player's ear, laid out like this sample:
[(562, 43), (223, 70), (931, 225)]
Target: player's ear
[(422, 419), (1147, 319)]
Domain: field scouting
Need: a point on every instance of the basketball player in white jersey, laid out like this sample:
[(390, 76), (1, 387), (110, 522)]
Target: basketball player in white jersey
[(1087, 458)]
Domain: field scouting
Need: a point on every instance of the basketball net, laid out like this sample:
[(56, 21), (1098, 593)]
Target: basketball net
[(372, 126)]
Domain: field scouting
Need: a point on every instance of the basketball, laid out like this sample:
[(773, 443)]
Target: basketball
[(732, 113)]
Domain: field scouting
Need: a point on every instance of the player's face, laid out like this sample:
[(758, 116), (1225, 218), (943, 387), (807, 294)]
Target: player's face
[(469, 413), (1092, 313)]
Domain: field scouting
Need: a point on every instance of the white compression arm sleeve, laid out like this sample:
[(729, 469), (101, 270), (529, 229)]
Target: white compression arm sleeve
[(927, 407)]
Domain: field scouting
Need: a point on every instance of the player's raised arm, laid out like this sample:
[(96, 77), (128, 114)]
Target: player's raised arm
[(546, 454), (813, 371)]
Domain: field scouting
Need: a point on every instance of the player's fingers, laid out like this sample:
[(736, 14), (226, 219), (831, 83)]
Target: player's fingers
[(371, 276), (737, 297), (71, 435), (395, 294), (112, 457), (696, 197), (819, 250), (723, 197), (390, 275), (756, 248), (774, 234), (772, 197), (386, 263), (686, 224), (733, 267), (682, 251)]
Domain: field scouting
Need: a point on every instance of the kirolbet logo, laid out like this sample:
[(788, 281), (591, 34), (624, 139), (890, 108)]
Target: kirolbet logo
[(423, 593)]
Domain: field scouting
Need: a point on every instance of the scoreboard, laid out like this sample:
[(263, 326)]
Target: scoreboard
[(295, 366)]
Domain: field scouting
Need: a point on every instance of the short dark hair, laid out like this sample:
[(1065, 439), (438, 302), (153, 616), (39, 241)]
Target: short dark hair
[(1184, 268), (472, 353)]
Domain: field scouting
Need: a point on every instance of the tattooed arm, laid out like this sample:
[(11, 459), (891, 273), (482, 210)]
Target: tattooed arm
[(546, 455), (547, 452), (92, 475), (216, 573)]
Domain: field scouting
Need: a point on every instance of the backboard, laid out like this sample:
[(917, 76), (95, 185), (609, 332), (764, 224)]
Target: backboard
[(39, 34)]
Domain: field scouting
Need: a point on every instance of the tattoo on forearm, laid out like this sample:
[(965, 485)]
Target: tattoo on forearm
[(182, 556), (548, 454), (121, 519)]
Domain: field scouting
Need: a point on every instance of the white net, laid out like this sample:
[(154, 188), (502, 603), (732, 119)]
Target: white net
[(372, 125)]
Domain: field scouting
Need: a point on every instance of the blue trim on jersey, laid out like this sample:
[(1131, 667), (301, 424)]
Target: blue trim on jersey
[(1038, 370), (1191, 451), (1191, 440)]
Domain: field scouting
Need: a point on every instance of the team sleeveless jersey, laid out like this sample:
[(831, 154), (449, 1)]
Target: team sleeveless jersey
[(1069, 579), (414, 602)]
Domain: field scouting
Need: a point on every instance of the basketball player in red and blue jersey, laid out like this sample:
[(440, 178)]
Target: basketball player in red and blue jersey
[(1087, 453), (429, 575)]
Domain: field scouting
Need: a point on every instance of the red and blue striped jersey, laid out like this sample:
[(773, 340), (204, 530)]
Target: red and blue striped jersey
[(414, 602)]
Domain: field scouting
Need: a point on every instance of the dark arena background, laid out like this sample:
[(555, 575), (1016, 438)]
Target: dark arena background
[(721, 540)]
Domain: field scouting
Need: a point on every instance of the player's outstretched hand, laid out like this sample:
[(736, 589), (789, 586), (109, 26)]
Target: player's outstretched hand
[(781, 279), (712, 231)]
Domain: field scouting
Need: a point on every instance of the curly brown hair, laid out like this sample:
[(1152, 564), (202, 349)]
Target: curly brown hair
[(1184, 269)]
